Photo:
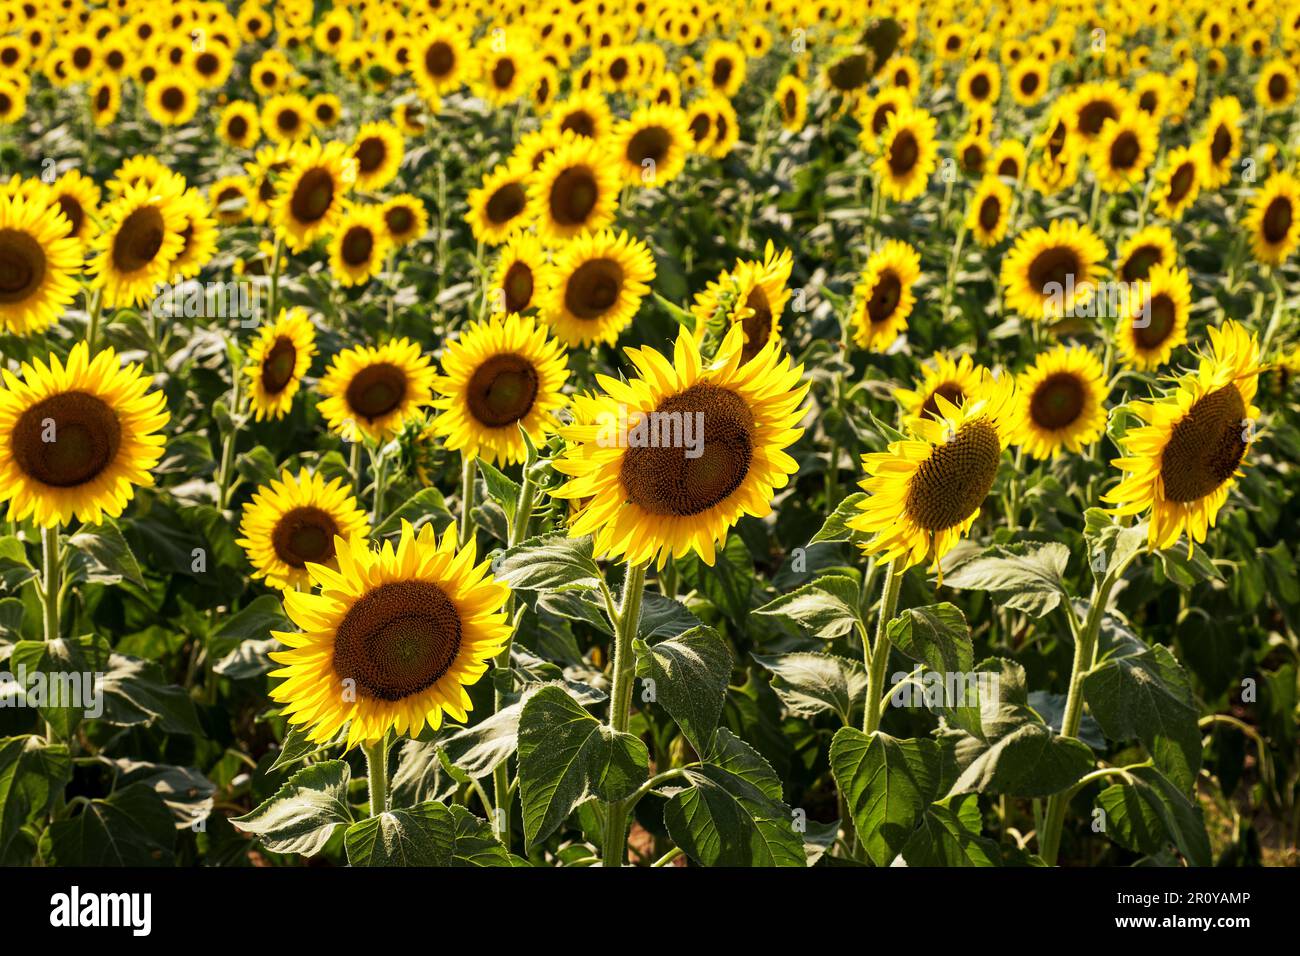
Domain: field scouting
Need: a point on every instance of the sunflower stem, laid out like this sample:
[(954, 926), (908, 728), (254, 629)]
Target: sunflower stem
[(276, 261), (468, 471), (379, 462), (50, 582), (377, 774), (878, 659), (94, 309), (620, 701)]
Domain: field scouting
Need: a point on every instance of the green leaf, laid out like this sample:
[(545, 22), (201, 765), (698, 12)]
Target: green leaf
[(663, 617), (1109, 542), (810, 684), (938, 637), (1147, 696), (424, 835), (567, 756), (130, 827), (257, 465), (836, 527), (57, 673), (1027, 579), (887, 784), (479, 749), (501, 488), (108, 558), (302, 815), (826, 607), (253, 622), (733, 814), (425, 506), (135, 693), (1152, 812), (32, 774), (549, 563), (690, 674), (475, 844), (949, 835), (250, 659)]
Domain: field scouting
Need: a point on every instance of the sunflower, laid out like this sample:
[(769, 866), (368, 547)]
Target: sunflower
[(39, 262), (1274, 219), (372, 391), (502, 77), (277, 361), (1093, 104), (405, 219), (308, 202), (518, 283), (955, 381), (726, 127), (584, 114), (752, 294), (1062, 402), (699, 120), (884, 296), (106, 426), (990, 211), (908, 154), (77, 197), (294, 521), (574, 191), (143, 235), (1050, 272), (377, 154), (359, 245), (972, 152), (1222, 142), (979, 83), (792, 101), (499, 376), (1057, 165), (325, 110), (595, 286), (440, 58), (925, 491), (724, 68), (1182, 462), (198, 235), (1143, 251), (392, 639), (1029, 82), (651, 145), (652, 497), (229, 199), (499, 208), (1153, 317), (286, 118), (1123, 150), (210, 66), (171, 100), (1151, 95), (1178, 183), (1276, 86), (1008, 160), (105, 100), (239, 125)]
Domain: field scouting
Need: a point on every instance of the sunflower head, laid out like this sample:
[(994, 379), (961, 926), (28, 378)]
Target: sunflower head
[(39, 263), (309, 197), (277, 361), (943, 377), (753, 294), (883, 298), (499, 208), (371, 391), (1153, 317), (1063, 402), (1273, 222), (1049, 272), (595, 286)]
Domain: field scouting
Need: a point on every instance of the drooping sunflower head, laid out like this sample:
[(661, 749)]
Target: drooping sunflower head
[(142, 237), (277, 361), (1273, 222), (673, 458), (370, 391), (309, 197), (884, 297), (77, 438), (1143, 251), (752, 294), (359, 245), (295, 521), (499, 208), (954, 381), (651, 146), (908, 154), (1153, 317), (392, 639), (1062, 402), (39, 263), (990, 211), (1181, 463), (520, 277), (925, 491), (1049, 272), (377, 155), (595, 285), (499, 376)]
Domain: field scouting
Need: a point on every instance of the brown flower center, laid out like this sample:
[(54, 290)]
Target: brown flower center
[(594, 288), (67, 439), (949, 485), (376, 390), (517, 286), (1206, 446), (278, 366), (22, 265), (1058, 401), (502, 390), (138, 239), (506, 203), (313, 196), (304, 535), (1053, 265), (1277, 220), (885, 296)]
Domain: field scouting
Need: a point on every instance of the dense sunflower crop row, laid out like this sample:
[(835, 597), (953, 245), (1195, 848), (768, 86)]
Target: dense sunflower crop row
[(662, 432)]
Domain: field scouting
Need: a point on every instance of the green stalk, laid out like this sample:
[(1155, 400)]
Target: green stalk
[(377, 774), (467, 474), (276, 260), (94, 308), (878, 657), (354, 466), (50, 583), (620, 702), (379, 463)]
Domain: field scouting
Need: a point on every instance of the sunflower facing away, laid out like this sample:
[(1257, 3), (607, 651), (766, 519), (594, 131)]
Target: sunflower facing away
[(1274, 219), (293, 522), (391, 639), (371, 391), (76, 438), (925, 491), (883, 297), (752, 294), (595, 286), (39, 262), (1049, 272), (653, 493), (1153, 322), (955, 381), (277, 361), (1062, 402), (1181, 464), (499, 376)]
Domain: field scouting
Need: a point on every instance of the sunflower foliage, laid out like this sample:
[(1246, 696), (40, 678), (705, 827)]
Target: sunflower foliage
[(656, 433)]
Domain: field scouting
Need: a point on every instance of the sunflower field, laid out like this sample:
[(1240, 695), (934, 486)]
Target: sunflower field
[(690, 433)]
